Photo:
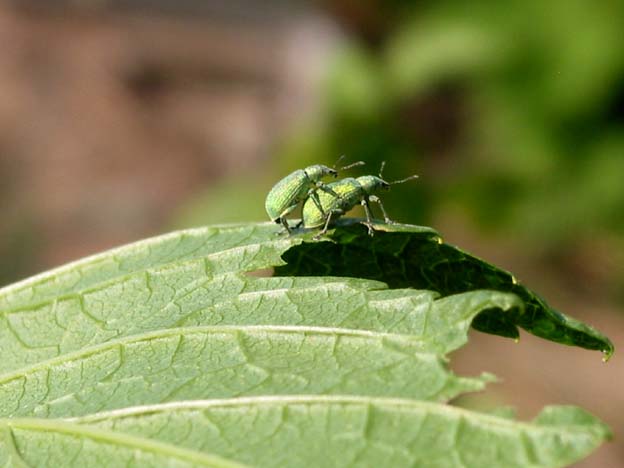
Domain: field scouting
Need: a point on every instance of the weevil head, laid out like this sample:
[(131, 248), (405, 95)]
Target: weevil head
[(372, 184), (318, 171)]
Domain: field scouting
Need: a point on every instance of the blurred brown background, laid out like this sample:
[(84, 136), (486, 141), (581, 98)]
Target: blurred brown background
[(121, 119)]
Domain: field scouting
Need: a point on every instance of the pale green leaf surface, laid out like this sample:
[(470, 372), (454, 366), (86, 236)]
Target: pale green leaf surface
[(52, 443), (221, 362), (230, 248), (239, 248), (176, 318), (361, 431), (177, 297)]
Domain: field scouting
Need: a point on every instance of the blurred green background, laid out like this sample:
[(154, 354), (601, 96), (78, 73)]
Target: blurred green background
[(123, 119), (511, 112)]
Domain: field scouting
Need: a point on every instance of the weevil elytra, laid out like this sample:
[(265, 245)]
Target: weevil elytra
[(347, 193), (298, 187)]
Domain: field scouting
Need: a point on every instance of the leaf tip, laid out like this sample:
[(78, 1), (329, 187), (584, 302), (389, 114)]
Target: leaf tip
[(488, 377), (607, 353)]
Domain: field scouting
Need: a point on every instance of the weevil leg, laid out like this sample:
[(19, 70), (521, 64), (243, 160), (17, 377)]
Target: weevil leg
[(327, 221), (376, 199), (285, 224), (314, 196), (326, 189), (282, 219), (369, 219), (324, 230)]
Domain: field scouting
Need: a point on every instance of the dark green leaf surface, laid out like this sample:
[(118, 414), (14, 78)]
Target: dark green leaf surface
[(404, 256), (177, 319)]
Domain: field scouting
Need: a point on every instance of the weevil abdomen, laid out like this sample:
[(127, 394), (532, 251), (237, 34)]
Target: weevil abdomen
[(348, 194), (301, 185), (287, 194), (344, 195)]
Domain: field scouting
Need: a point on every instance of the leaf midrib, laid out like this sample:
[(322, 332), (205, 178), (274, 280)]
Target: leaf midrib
[(119, 439), (487, 420), (232, 329)]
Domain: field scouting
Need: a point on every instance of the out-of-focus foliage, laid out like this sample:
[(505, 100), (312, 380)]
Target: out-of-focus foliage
[(512, 111), (533, 88)]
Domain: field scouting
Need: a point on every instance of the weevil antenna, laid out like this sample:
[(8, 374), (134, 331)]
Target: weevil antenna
[(400, 181), (338, 161), (383, 164), (349, 166)]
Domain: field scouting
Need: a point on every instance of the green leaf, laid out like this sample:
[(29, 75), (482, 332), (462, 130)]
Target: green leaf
[(236, 247), (360, 431), (178, 318), (185, 296), (41, 442), (221, 362), (406, 256)]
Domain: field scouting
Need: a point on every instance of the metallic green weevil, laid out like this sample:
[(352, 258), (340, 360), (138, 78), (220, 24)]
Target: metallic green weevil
[(347, 194), (297, 187)]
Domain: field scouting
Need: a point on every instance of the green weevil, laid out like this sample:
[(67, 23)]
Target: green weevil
[(298, 187), (347, 194)]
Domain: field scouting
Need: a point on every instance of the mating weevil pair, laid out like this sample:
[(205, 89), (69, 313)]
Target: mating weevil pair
[(324, 202), (297, 187)]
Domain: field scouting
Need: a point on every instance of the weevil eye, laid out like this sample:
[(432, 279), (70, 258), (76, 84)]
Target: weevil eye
[(333, 173)]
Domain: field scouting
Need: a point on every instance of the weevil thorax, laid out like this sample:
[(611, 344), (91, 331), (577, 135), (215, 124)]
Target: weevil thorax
[(318, 171), (371, 184)]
